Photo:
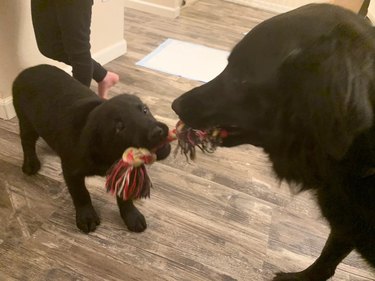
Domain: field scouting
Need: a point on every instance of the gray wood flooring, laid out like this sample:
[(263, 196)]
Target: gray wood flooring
[(224, 217)]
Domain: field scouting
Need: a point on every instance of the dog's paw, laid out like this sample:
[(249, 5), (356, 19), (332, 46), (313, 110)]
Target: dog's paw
[(31, 166), (86, 219), (134, 220)]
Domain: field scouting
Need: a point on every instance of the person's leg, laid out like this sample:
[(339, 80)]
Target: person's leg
[(364, 8), (74, 19), (47, 30), (56, 23), (99, 72)]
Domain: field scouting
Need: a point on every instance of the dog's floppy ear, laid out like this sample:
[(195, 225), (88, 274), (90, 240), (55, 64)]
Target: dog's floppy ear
[(89, 136), (326, 87), (81, 110)]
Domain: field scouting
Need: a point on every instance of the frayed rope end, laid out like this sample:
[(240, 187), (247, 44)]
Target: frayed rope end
[(128, 178), (189, 138)]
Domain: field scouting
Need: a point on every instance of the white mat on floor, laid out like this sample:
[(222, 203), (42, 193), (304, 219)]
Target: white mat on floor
[(187, 60)]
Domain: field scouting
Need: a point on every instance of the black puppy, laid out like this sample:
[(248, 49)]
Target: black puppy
[(88, 133), (301, 85)]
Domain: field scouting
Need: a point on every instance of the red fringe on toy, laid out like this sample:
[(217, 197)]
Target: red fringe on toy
[(128, 178), (189, 138)]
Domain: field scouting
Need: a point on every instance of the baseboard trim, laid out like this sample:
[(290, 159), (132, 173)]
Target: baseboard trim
[(6, 108), (110, 53), (371, 17), (152, 8)]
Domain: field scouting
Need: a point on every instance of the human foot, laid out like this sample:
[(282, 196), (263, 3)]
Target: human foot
[(108, 82)]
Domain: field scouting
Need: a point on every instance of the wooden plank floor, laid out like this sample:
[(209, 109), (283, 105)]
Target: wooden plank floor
[(224, 217)]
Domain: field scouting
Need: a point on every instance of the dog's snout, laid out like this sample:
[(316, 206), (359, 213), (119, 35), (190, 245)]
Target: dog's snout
[(176, 105), (156, 134)]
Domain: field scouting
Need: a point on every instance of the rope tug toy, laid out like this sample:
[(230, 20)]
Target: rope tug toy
[(189, 138), (128, 178)]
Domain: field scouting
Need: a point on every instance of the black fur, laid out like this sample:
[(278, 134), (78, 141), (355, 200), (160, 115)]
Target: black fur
[(301, 86), (88, 133)]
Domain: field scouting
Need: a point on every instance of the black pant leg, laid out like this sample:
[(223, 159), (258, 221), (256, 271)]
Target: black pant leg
[(47, 30), (364, 8), (74, 19), (62, 31), (99, 72)]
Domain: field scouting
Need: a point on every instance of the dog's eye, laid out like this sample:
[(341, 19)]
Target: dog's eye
[(145, 109), (119, 126)]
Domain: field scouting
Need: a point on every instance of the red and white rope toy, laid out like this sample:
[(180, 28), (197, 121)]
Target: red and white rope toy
[(189, 138), (128, 178)]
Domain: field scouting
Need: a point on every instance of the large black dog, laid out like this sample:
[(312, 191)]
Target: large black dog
[(88, 133), (301, 85)]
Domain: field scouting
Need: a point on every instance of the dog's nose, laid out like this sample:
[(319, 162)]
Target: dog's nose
[(156, 134), (176, 105)]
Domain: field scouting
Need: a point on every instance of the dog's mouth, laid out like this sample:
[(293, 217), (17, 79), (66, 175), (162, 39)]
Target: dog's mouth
[(230, 135), (231, 130)]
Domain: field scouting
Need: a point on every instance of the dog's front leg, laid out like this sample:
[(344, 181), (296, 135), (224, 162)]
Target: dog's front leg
[(29, 136), (86, 217), (131, 216), (334, 251)]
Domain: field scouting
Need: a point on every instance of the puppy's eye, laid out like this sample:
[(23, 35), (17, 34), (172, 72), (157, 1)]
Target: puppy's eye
[(145, 109), (119, 126)]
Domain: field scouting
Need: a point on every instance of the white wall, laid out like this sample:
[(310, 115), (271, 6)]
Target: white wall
[(18, 48), (371, 11), (107, 30)]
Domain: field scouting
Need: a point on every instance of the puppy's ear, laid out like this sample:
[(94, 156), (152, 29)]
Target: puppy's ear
[(81, 110), (90, 140), (326, 87)]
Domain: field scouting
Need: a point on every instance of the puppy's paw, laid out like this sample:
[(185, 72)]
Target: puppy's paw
[(86, 219), (31, 166), (134, 220)]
